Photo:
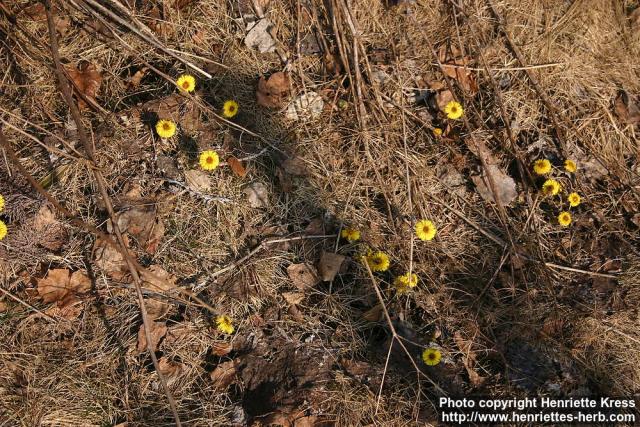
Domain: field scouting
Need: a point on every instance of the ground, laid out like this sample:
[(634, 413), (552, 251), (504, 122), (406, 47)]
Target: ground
[(123, 244)]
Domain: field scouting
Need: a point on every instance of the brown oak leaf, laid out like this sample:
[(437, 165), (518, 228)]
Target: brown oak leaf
[(86, 79), (274, 91)]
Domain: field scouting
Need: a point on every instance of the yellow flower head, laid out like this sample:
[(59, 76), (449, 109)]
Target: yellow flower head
[(230, 109), (378, 261), (431, 356), (454, 110), (351, 234), (542, 166), (425, 230), (165, 128), (3, 230), (551, 187), (224, 324), (186, 83), (403, 283), (437, 131), (574, 199), (570, 166), (209, 160), (1, 203), (564, 219)]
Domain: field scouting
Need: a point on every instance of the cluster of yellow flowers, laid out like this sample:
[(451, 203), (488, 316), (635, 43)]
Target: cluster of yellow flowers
[(3, 226), (378, 261), (166, 128), (551, 187)]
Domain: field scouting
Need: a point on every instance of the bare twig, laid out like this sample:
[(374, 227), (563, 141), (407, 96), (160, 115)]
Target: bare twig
[(26, 304), (394, 333)]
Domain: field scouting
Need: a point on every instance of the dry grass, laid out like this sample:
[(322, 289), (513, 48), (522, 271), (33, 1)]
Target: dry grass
[(579, 330)]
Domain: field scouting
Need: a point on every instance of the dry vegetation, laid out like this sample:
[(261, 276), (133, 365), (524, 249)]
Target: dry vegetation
[(517, 304)]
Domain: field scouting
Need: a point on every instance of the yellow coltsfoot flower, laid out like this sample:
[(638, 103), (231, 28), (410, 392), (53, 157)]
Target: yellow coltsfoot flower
[(453, 110), (431, 356), (574, 199), (230, 109), (186, 82), (378, 261), (165, 128), (570, 166), (209, 160), (551, 187), (425, 230), (224, 324), (564, 219), (404, 283), (542, 166), (351, 234), (3, 230), (1, 203)]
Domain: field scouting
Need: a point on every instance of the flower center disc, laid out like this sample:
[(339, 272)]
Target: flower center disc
[(166, 126), (185, 85), (209, 159)]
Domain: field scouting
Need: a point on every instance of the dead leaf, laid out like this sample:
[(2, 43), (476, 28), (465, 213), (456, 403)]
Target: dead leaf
[(308, 421), (284, 179), (274, 91), (257, 194), (38, 13), (198, 180), (443, 98), (612, 266), (454, 67), (295, 166), (329, 265), (3, 306), (158, 279), (259, 36), (236, 166), (307, 106), (332, 63), (503, 184), (221, 348), (157, 23), (462, 75), (109, 259), (62, 286), (156, 308), (293, 298), (158, 331), (302, 275), (86, 79), (171, 370), (55, 285), (626, 109), (135, 80), (142, 223), (51, 232), (224, 374), (374, 314), (469, 359)]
